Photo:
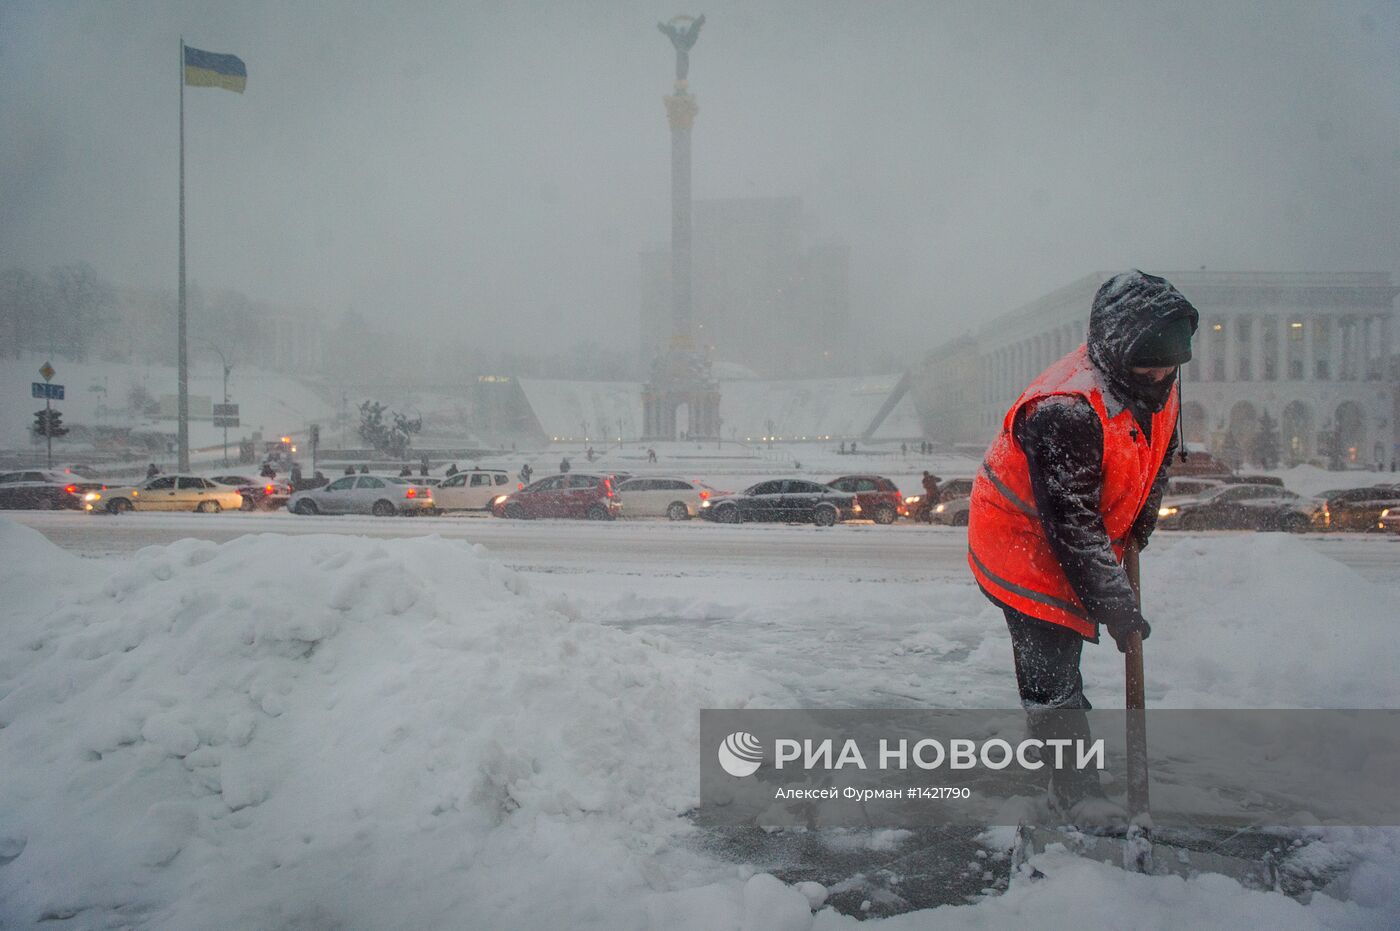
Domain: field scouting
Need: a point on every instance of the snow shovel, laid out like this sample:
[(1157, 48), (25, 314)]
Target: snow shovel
[(1138, 851)]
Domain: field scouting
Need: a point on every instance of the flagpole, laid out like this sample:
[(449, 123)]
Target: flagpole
[(184, 403)]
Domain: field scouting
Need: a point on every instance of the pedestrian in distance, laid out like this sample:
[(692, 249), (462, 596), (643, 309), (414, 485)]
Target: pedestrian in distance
[(349, 470), (904, 449), (1073, 478), (564, 464), (364, 468), (296, 477), (267, 470), (842, 450), (152, 470), (651, 455), (423, 467), (924, 511), (405, 472), (526, 472), (452, 470)]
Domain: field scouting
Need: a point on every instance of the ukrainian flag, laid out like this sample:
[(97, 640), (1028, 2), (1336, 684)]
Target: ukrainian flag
[(210, 69)]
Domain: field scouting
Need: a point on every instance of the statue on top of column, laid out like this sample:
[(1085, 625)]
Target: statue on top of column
[(682, 31)]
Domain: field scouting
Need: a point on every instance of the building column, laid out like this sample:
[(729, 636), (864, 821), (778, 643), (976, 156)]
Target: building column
[(1337, 350), (1384, 347), (1283, 336), (1229, 349), (1309, 366), (1256, 347)]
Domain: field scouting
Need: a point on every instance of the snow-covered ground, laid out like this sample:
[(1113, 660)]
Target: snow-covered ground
[(333, 730)]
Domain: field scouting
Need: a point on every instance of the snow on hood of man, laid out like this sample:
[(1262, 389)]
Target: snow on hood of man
[(328, 731)]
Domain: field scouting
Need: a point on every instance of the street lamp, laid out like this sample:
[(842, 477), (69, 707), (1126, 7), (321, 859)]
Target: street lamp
[(228, 367)]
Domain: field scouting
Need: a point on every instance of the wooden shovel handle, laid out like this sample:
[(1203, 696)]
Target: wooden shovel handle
[(1135, 701)]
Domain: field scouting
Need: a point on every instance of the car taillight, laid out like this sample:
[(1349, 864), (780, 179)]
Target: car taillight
[(607, 487), (704, 496), (268, 489), (71, 489), (411, 493), (519, 486)]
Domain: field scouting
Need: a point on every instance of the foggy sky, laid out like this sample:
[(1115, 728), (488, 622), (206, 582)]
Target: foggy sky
[(463, 164)]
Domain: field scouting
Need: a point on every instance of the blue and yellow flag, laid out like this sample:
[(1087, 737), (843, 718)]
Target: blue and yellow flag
[(210, 69)]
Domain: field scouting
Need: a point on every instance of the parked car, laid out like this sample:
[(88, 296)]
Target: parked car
[(953, 512), (1242, 479), (471, 490), (172, 493), (45, 489), (880, 499), (380, 495), (1237, 507), (572, 494), (1186, 486), (269, 495), (654, 496), (1355, 508), (234, 481), (787, 499)]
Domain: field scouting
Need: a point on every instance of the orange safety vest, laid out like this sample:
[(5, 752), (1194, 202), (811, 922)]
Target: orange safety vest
[(1007, 548)]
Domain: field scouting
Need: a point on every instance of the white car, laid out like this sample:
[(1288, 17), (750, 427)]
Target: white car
[(380, 495), (174, 493), (676, 498), (471, 490)]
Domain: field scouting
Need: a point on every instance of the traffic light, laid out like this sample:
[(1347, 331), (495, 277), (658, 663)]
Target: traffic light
[(49, 423)]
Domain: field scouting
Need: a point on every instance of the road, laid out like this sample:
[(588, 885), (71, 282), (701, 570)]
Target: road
[(858, 552)]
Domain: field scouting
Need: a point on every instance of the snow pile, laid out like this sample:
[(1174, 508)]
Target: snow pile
[(330, 731), (1258, 621)]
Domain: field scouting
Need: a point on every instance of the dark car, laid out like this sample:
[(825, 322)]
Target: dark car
[(572, 494), (1237, 507), (269, 495), (784, 499), (1355, 508), (880, 499), (45, 490)]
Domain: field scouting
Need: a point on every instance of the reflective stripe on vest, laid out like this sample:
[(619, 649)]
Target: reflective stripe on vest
[(1007, 548)]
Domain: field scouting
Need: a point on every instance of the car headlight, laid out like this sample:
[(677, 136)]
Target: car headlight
[(913, 499), (1385, 512), (705, 503), (498, 499), (855, 507), (1166, 512), (939, 509), (94, 496)]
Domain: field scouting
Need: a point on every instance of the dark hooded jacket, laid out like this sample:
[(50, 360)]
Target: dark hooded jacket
[(1063, 442)]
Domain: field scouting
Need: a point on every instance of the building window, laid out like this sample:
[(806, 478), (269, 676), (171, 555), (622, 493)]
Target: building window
[(1322, 349)]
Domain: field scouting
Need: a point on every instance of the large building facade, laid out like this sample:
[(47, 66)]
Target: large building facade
[(1314, 351), (763, 297)]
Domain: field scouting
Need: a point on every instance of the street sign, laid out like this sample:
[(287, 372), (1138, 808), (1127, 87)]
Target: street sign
[(41, 390), (226, 410), (226, 421), (47, 371)]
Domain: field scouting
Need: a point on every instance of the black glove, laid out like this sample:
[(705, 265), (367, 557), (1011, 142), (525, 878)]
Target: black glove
[(1121, 630), (1142, 531)]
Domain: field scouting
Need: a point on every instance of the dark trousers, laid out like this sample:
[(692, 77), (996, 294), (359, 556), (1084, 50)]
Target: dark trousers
[(1052, 692)]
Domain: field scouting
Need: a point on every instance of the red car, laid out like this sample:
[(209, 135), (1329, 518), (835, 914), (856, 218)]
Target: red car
[(877, 496), (269, 496), (574, 494)]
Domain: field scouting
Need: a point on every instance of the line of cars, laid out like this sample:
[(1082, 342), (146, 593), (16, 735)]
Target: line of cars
[(1262, 503)]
